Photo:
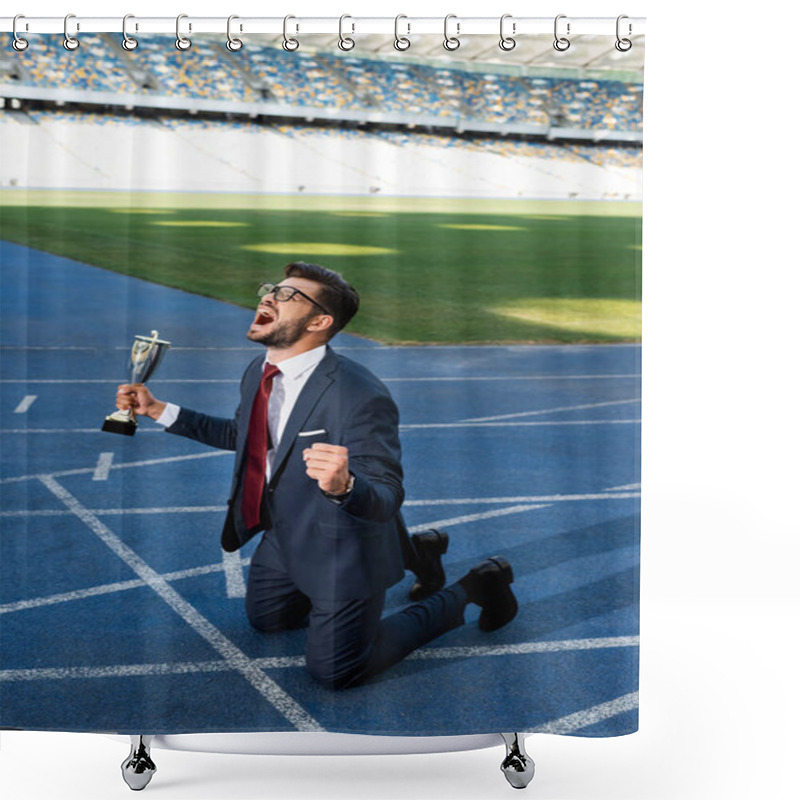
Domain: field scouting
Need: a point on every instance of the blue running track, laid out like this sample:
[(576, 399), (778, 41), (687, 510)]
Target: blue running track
[(120, 613)]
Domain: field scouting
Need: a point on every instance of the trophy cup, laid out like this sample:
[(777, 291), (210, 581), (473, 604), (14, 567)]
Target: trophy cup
[(146, 355)]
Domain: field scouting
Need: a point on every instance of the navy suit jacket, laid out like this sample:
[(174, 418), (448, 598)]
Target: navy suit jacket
[(331, 551)]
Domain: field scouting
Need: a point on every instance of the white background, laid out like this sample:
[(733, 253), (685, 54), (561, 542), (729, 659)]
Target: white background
[(719, 693)]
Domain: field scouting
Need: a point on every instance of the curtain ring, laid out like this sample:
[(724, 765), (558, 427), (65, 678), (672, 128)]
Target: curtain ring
[(507, 43), (346, 43), (181, 42), (233, 44), (19, 44), (289, 44), (401, 43), (128, 42), (70, 42), (623, 45), (451, 42), (561, 43)]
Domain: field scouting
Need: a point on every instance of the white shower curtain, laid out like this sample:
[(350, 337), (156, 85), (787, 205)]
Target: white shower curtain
[(485, 204)]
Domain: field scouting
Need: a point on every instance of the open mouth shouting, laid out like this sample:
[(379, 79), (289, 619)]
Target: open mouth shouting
[(264, 317)]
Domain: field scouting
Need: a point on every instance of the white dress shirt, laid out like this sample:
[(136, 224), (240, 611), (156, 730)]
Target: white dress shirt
[(286, 388)]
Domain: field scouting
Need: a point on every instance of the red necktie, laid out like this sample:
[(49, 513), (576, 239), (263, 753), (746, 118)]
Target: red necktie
[(258, 443)]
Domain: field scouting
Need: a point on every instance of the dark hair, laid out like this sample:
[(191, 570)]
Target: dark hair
[(335, 293)]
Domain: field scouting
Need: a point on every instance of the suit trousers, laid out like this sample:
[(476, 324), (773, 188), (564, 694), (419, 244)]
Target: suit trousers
[(349, 640)]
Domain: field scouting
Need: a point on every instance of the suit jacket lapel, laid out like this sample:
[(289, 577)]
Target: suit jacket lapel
[(317, 385)]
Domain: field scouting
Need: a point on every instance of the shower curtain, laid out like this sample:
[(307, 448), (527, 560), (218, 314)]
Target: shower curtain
[(485, 203)]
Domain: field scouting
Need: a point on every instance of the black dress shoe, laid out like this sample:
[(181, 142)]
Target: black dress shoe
[(489, 585), (429, 547)]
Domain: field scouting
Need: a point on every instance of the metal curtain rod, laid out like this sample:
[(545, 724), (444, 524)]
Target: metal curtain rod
[(275, 26)]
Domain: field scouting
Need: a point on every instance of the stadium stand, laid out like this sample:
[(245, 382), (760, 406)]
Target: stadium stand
[(207, 71), (198, 72), (216, 112), (298, 79), (92, 67)]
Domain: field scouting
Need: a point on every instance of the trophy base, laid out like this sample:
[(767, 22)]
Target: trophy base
[(113, 424)]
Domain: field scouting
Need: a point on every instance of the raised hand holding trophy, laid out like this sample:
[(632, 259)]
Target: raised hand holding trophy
[(146, 355)]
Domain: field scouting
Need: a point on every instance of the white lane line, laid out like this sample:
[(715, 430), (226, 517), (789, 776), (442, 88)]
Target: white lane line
[(543, 498), (407, 427), (103, 467), (472, 378), (626, 488), (115, 671), (17, 431), (66, 597), (289, 662), (524, 648), (108, 588), (523, 504), (431, 379), (237, 660), (25, 403), (129, 465), (608, 494), (116, 512), (375, 348), (553, 410), (112, 381), (515, 424), (441, 523), (590, 716), (234, 576)]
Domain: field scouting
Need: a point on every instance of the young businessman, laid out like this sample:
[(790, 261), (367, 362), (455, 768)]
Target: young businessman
[(318, 470)]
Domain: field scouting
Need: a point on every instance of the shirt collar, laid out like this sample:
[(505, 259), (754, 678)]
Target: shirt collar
[(296, 366)]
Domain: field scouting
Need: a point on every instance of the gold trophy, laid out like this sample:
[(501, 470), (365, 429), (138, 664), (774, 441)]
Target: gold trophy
[(146, 355)]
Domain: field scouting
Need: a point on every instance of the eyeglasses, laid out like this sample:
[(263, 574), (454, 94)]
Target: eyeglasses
[(284, 293)]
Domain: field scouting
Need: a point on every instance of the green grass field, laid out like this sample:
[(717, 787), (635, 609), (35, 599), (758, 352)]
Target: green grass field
[(428, 270)]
